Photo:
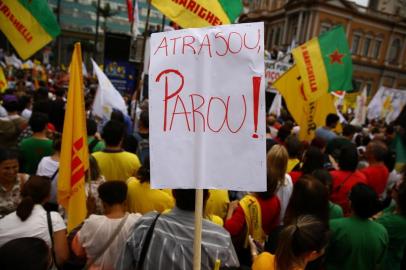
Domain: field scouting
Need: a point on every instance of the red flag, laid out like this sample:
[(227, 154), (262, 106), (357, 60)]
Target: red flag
[(130, 10)]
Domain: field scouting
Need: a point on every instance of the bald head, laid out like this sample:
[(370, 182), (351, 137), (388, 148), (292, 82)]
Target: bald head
[(376, 151)]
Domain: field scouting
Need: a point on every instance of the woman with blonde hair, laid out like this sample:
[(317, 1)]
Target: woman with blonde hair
[(301, 242), (278, 179), (257, 214)]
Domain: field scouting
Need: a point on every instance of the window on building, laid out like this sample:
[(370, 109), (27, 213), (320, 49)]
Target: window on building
[(394, 51), (368, 85), (324, 27), (356, 85), (355, 43), (367, 45), (388, 81), (277, 35), (269, 41), (377, 48)]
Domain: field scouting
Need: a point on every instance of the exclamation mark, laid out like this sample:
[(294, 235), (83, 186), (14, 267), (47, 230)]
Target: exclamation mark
[(256, 83)]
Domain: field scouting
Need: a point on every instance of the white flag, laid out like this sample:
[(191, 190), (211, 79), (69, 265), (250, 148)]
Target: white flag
[(13, 61), (397, 103), (360, 113), (107, 97), (375, 106), (84, 70), (386, 104), (276, 105), (136, 21)]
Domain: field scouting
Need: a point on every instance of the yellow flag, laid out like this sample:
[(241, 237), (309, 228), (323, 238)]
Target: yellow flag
[(193, 14), (28, 25), (307, 114), (3, 81), (74, 159)]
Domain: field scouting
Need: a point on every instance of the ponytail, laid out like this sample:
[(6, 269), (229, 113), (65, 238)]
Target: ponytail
[(284, 253), (35, 191), (25, 207), (306, 235)]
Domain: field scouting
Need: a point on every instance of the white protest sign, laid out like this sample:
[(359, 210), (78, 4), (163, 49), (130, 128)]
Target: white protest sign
[(274, 69), (207, 108)]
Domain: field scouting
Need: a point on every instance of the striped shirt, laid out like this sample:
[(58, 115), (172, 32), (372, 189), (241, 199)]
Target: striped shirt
[(171, 246)]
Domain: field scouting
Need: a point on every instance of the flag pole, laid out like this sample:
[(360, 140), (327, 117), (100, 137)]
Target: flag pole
[(197, 243), (144, 44), (163, 23)]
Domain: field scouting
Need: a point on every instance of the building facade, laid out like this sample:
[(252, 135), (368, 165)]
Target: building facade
[(77, 19), (377, 39)]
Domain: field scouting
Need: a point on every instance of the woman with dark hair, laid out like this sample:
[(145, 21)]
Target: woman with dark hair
[(335, 211), (11, 182), (141, 198), (31, 219), (309, 197), (313, 159), (301, 242), (103, 237), (346, 177), (34, 251), (394, 220)]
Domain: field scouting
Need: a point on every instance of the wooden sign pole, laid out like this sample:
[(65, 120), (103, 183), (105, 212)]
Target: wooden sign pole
[(197, 244)]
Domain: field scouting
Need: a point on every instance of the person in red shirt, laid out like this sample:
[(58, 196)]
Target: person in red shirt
[(376, 173), (346, 177)]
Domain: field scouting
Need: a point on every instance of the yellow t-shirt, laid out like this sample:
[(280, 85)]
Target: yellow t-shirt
[(217, 204), (142, 199), (216, 220), (118, 165), (264, 261)]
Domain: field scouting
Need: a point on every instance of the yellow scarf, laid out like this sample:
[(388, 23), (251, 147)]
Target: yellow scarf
[(253, 219)]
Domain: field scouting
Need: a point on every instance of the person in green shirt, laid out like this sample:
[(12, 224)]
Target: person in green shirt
[(394, 220), (335, 210), (34, 148), (94, 143), (357, 242)]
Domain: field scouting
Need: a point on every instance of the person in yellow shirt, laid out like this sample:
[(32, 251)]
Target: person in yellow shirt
[(114, 162), (217, 203), (141, 198), (299, 243)]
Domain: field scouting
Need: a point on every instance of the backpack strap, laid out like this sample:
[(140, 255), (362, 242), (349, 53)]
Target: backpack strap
[(51, 235), (147, 241), (108, 243), (337, 189), (55, 173)]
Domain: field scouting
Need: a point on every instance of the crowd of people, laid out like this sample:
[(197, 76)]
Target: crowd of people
[(336, 202)]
